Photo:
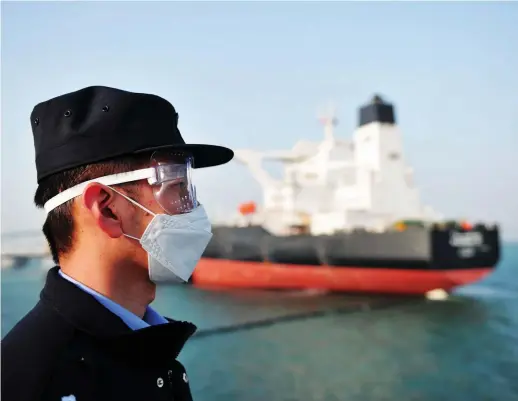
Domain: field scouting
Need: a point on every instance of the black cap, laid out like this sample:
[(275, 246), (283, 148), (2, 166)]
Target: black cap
[(99, 123)]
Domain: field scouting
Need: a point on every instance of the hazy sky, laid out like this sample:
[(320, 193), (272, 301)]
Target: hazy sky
[(254, 75)]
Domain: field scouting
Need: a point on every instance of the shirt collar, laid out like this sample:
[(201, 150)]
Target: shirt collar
[(151, 317)]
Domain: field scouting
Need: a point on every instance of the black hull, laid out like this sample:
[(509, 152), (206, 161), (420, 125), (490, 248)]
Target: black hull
[(414, 248)]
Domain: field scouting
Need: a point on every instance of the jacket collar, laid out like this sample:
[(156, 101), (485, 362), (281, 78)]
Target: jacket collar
[(86, 314)]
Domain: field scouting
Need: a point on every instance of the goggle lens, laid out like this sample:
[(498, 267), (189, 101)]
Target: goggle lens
[(174, 190)]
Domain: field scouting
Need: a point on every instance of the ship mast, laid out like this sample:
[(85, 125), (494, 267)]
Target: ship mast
[(329, 121)]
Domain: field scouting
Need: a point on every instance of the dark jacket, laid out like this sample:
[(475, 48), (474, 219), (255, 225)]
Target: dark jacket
[(71, 345)]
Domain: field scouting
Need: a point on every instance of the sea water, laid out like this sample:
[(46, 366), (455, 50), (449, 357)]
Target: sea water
[(313, 346)]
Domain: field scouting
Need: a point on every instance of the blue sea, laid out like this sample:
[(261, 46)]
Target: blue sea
[(303, 346)]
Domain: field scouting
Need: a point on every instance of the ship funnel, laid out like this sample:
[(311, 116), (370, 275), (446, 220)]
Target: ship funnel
[(377, 110)]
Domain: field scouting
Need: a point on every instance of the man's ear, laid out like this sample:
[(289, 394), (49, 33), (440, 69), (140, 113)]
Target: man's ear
[(99, 201)]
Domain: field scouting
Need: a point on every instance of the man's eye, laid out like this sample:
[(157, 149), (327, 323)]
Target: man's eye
[(178, 184)]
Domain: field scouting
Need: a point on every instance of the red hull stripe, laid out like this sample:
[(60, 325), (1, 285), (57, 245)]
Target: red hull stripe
[(238, 274)]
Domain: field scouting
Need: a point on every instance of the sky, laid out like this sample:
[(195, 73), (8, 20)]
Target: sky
[(254, 75)]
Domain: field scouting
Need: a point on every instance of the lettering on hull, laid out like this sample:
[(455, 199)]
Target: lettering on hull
[(467, 243)]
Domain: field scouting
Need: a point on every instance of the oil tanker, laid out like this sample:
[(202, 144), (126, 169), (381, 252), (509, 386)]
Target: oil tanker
[(346, 216)]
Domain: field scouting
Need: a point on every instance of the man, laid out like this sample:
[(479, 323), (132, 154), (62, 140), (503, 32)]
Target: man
[(114, 177)]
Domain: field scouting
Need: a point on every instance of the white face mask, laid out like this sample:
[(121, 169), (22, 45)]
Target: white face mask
[(174, 243)]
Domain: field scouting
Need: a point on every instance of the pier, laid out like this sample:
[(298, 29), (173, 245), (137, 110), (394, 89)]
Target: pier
[(18, 248)]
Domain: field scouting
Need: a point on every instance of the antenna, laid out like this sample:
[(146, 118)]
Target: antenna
[(328, 119)]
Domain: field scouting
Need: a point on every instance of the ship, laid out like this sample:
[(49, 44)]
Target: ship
[(346, 216)]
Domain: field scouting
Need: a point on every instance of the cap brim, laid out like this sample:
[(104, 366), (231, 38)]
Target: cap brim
[(204, 155)]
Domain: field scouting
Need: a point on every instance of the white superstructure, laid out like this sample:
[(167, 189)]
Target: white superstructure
[(341, 184)]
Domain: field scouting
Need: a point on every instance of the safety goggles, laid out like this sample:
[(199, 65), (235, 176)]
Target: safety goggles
[(170, 177)]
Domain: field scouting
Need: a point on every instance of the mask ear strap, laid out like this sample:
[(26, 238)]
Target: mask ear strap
[(134, 202), (132, 237)]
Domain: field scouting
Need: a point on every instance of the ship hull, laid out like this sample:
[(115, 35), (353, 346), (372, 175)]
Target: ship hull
[(379, 280), (413, 261)]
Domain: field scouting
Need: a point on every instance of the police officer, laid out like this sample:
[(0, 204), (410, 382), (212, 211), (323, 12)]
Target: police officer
[(114, 177)]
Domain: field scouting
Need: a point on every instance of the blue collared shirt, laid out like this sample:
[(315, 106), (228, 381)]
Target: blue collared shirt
[(151, 317)]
